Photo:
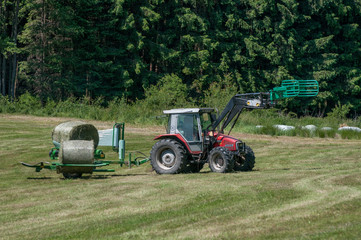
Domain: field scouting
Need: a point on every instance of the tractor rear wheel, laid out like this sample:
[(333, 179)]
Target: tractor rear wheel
[(221, 160), (245, 162), (168, 157)]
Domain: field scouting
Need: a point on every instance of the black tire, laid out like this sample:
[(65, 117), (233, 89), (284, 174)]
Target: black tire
[(168, 157), (193, 167), (72, 175), (221, 160), (245, 162)]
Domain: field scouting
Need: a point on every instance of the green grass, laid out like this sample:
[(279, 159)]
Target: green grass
[(301, 188)]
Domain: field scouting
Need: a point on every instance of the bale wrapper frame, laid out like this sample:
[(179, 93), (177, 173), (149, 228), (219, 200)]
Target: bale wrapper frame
[(86, 150)]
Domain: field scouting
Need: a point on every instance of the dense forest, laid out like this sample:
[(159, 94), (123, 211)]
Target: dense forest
[(197, 51)]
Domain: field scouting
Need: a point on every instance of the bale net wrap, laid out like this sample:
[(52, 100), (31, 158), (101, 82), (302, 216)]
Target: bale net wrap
[(75, 130), (76, 152)]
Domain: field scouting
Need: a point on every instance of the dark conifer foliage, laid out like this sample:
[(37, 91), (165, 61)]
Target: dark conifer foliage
[(123, 48)]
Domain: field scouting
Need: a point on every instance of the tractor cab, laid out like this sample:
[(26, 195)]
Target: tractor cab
[(191, 124)]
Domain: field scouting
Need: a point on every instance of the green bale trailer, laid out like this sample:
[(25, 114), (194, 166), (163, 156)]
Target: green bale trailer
[(74, 157)]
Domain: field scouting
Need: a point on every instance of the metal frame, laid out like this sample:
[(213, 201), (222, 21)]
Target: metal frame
[(117, 144)]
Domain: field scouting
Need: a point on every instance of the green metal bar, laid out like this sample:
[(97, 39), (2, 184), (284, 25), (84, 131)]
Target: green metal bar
[(130, 160), (143, 161), (308, 88), (40, 166), (103, 170), (135, 162), (84, 165), (110, 161), (50, 167), (122, 131), (292, 88)]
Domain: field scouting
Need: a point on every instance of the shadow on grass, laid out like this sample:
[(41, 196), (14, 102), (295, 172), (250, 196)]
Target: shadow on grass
[(39, 178), (290, 169), (99, 177), (113, 175), (276, 169)]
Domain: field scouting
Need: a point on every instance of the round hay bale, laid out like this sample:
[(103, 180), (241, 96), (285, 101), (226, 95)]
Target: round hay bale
[(75, 130), (76, 152)]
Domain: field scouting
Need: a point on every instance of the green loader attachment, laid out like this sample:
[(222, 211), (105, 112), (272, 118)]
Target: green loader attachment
[(294, 88)]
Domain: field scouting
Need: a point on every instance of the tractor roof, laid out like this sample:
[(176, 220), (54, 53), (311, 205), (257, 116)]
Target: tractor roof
[(188, 110)]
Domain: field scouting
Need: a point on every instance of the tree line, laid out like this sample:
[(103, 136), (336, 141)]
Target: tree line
[(205, 49)]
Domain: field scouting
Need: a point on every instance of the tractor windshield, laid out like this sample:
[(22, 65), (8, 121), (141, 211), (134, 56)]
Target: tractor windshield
[(206, 121)]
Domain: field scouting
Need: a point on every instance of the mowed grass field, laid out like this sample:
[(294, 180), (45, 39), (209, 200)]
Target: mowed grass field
[(301, 188)]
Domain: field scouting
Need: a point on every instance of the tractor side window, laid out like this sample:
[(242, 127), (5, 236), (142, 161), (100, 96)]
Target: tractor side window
[(187, 126), (206, 120), (169, 125)]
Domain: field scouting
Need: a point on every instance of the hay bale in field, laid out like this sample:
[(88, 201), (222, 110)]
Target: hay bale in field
[(310, 128), (76, 152), (75, 130), (356, 129), (283, 127)]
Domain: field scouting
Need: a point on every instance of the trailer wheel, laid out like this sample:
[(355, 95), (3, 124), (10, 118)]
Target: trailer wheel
[(72, 175), (221, 160), (168, 157), (245, 162)]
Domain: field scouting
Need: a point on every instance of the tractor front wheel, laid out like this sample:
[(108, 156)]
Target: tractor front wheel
[(246, 161), (168, 157), (221, 160)]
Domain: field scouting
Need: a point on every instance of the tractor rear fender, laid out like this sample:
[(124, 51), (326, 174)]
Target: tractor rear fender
[(179, 138)]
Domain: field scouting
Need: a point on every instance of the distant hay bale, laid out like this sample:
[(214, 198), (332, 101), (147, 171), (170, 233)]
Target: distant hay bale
[(356, 129), (283, 127), (76, 152), (310, 128), (75, 130)]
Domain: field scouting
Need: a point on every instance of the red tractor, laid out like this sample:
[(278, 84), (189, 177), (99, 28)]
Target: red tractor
[(195, 136)]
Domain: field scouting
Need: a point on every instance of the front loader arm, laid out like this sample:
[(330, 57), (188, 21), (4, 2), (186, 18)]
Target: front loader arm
[(237, 103), (289, 88)]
